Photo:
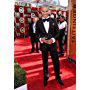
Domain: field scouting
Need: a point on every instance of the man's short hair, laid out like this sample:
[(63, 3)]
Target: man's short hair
[(62, 16), (45, 6)]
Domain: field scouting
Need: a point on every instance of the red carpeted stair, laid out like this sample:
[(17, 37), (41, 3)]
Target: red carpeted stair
[(32, 64)]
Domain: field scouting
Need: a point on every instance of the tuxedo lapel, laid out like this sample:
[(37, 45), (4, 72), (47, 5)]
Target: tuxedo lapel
[(42, 26), (50, 25)]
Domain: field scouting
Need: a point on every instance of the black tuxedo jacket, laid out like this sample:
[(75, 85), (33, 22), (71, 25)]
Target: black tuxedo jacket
[(52, 33), (30, 31)]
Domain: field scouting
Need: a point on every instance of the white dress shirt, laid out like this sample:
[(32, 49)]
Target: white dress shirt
[(46, 26), (62, 25), (34, 27)]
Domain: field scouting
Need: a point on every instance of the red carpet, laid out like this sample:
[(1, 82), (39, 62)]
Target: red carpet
[(32, 64)]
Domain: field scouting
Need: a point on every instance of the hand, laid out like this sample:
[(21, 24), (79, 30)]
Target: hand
[(50, 41), (43, 39)]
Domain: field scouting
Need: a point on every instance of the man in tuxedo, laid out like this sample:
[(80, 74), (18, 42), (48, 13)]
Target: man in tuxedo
[(62, 24), (32, 34), (47, 31)]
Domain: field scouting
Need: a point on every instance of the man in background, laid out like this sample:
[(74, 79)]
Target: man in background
[(62, 24), (32, 34)]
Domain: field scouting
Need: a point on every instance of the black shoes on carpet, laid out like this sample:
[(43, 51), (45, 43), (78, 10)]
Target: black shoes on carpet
[(33, 51), (61, 54), (58, 80)]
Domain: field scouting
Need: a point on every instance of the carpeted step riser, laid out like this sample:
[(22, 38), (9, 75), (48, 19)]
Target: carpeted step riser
[(30, 67)]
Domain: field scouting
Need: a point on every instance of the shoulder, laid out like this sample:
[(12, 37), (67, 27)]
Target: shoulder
[(39, 20), (31, 23), (65, 23), (53, 20)]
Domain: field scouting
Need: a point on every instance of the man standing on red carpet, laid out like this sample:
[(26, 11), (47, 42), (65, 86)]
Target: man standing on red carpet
[(47, 31), (32, 34)]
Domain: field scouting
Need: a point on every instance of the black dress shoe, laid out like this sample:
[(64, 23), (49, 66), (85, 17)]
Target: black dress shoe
[(60, 82), (31, 51), (37, 51), (62, 54), (45, 81)]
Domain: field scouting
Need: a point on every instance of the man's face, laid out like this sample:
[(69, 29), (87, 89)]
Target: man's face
[(45, 12), (61, 19), (35, 19)]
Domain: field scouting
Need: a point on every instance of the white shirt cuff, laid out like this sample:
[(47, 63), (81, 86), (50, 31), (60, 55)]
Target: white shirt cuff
[(53, 40), (40, 40)]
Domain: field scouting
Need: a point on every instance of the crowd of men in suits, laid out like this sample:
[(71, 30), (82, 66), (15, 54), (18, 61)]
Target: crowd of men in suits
[(47, 31)]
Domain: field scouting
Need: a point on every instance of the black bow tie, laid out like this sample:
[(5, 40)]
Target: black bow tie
[(44, 20)]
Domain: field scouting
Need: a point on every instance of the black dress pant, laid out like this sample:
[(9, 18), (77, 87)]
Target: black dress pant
[(60, 41), (55, 59), (34, 41)]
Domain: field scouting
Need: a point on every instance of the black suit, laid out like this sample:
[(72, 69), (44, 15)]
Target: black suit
[(45, 48), (33, 37), (60, 39)]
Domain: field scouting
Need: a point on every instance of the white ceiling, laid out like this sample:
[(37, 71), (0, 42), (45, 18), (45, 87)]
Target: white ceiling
[(56, 2)]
